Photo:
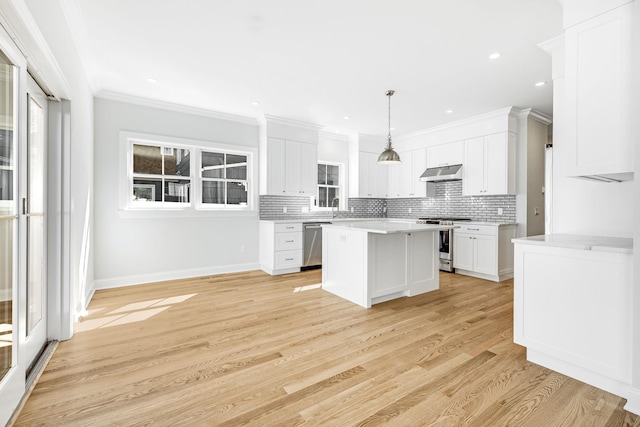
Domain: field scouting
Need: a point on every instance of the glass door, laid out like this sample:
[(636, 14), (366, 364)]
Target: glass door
[(12, 378), (33, 211), (8, 215)]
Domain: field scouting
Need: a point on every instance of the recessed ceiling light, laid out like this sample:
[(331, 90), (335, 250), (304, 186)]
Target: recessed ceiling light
[(494, 55), (449, 111), (255, 103), (540, 84), (152, 80), (346, 117)]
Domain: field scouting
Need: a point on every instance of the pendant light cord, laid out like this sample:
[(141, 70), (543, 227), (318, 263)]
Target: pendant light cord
[(389, 93)]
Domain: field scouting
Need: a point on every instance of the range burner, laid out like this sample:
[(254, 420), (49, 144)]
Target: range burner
[(441, 220)]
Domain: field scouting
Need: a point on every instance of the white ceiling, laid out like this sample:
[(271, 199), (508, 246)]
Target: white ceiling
[(319, 61)]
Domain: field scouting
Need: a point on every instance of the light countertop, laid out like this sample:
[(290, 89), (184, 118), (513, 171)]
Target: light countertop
[(576, 241), (388, 226), (496, 224)]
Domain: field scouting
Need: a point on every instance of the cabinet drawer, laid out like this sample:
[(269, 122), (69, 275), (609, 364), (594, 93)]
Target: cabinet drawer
[(476, 229), (288, 227), (288, 241), (288, 259)]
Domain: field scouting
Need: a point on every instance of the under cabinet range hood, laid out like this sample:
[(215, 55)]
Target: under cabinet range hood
[(442, 173)]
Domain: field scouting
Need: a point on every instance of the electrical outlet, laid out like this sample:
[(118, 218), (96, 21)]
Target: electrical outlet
[(243, 249), (351, 209), (284, 209), (409, 210), (305, 209), (499, 211)]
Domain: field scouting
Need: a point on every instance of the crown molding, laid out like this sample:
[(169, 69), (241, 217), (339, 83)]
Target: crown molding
[(178, 108), (268, 118), (503, 112), (535, 115), (18, 21), (551, 45)]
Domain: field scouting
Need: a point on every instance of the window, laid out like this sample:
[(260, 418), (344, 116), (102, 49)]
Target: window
[(328, 185), (224, 178), (161, 174), (176, 175)]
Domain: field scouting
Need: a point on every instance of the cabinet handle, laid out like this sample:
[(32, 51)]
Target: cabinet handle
[(288, 259), (288, 241), (289, 228), (474, 229)]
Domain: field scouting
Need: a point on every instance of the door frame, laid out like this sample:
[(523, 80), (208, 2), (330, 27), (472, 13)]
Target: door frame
[(12, 385)]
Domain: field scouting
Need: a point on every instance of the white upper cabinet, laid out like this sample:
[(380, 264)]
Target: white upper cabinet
[(394, 176), (372, 177), (404, 179), (291, 167), (288, 157), (451, 153), (301, 167), (598, 95), (414, 162), (489, 165)]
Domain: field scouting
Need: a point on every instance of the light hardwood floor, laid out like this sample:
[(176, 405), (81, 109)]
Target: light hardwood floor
[(253, 349)]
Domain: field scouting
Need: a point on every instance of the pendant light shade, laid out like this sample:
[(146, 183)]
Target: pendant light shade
[(389, 156)]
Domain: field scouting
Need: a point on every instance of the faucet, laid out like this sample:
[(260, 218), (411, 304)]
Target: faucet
[(333, 205)]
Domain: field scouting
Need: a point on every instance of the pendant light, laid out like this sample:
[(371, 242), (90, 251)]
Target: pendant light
[(389, 156)]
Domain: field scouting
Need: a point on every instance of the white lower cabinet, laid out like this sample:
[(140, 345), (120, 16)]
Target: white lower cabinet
[(280, 247), (484, 251)]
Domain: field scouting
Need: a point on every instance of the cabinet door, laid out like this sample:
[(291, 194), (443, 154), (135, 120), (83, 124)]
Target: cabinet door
[(598, 89), (276, 166), (364, 182), (463, 251), (451, 153), (495, 163), (406, 171), (309, 169), (394, 181), (293, 167), (485, 255), (419, 164), (380, 175), (473, 170)]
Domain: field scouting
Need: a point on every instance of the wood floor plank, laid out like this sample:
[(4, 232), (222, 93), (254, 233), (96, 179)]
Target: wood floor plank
[(252, 349)]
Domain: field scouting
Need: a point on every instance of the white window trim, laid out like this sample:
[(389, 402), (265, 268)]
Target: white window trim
[(341, 181), (178, 210)]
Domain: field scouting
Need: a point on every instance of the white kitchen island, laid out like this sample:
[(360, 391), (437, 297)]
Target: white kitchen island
[(368, 262)]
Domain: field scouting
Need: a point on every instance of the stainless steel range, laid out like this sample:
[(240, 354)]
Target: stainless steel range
[(446, 239)]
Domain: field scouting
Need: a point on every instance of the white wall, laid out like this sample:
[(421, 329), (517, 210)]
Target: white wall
[(131, 250)]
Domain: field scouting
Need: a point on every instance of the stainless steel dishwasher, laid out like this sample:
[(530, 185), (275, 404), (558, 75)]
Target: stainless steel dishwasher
[(312, 235)]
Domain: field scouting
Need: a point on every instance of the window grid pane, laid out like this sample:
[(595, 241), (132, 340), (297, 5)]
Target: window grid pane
[(163, 174)]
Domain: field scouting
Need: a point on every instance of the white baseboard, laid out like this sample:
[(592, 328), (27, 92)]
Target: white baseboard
[(119, 282), (603, 382), (633, 401)]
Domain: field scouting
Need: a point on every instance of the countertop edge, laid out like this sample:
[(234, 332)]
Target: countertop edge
[(622, 245)]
